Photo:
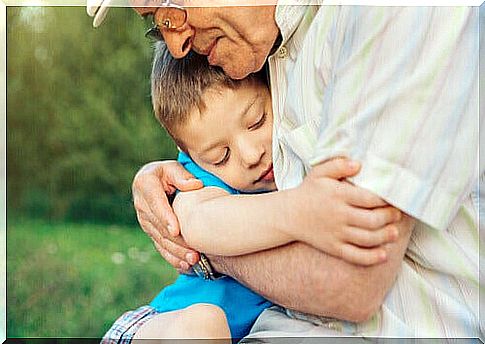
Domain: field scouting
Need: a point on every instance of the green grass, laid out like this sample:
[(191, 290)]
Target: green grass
[(72, 280)]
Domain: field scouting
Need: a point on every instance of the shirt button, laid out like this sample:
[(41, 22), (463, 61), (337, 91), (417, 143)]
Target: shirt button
[(283, 52)]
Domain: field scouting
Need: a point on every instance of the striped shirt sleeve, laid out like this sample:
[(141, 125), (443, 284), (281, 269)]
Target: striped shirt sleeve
[(403, 99)]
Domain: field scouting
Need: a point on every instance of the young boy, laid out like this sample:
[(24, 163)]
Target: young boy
[(224, 129)]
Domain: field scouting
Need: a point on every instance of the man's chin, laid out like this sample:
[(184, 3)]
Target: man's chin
[(238, 72), (236, 75), (242, 73)]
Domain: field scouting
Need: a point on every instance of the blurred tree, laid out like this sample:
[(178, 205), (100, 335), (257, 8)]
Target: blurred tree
[(79, 118)]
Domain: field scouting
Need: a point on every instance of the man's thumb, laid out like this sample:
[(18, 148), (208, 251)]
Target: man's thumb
[(187, 182)]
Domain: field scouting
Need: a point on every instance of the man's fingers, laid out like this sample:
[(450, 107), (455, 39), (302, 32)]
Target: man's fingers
[(148, 221), (192, 257), (337, 168), (189, 184), (158, 235), (179, 264), (163, 217), (184, 268), (183, 180), (367, 238), (372, 219), (171, 259), (150, 188), (151, 231), (149, 196), (363, 256), (176, 250)]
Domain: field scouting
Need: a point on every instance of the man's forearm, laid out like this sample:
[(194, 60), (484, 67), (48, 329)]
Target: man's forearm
[(300, 277)]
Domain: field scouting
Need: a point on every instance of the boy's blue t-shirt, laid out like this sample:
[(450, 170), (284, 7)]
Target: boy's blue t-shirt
[(241, 305), (207, 178)]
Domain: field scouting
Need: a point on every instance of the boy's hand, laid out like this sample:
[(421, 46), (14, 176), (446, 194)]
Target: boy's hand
[(342, 219), (151, 186)]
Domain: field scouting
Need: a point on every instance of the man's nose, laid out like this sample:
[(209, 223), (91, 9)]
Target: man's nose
[(179, 42)]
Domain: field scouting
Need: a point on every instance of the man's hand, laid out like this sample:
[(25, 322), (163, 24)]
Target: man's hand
[(343, 220), (151, 186)]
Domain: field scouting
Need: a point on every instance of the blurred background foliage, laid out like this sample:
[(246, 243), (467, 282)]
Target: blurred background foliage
[(79, 126), (79, 121)]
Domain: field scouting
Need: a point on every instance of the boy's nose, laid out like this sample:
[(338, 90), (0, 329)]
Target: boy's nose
[(178, 42), (252, 156)]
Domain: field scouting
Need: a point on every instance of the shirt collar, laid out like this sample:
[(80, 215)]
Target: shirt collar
[(288, 16)]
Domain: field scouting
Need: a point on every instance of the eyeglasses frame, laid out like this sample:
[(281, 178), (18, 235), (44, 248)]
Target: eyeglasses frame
[(155, 31)]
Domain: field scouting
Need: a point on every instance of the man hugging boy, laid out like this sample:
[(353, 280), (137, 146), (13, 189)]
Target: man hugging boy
[(223, 128)]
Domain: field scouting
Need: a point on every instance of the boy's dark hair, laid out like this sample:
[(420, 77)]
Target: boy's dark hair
[(179, 84)]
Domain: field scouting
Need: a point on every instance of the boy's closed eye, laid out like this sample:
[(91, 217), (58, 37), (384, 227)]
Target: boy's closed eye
[(259, 123), (224, 159)]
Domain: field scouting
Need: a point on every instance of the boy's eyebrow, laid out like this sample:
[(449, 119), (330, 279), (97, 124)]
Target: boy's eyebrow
[(249, 105), (240, 114)]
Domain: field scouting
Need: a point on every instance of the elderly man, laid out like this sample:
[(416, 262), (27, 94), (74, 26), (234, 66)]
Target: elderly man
[(396, 89)]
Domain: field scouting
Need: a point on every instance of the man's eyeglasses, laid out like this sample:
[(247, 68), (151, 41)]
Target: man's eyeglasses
[(170, 15)]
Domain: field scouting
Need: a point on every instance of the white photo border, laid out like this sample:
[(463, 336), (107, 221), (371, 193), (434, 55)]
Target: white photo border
[(123, 3)]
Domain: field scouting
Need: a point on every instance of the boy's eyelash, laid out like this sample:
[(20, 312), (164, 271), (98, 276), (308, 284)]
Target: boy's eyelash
[(224, 160), (259, 123)]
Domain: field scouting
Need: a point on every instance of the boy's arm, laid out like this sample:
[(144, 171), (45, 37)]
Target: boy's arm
[(214, 222)]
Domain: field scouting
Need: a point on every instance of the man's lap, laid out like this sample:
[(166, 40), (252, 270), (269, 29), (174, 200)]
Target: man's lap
[(275, 325)]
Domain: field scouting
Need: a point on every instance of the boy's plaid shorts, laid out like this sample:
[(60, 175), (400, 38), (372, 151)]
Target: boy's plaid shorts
[(125, 327)]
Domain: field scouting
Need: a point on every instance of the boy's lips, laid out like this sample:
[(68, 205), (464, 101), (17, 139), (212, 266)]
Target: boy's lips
[(267, 175)]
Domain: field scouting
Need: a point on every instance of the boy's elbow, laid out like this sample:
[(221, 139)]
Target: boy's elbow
[(187, 209), (194, 211), (183, 208)]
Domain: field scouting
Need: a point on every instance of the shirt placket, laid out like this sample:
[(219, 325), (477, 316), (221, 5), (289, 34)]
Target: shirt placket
[(278, 86)]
